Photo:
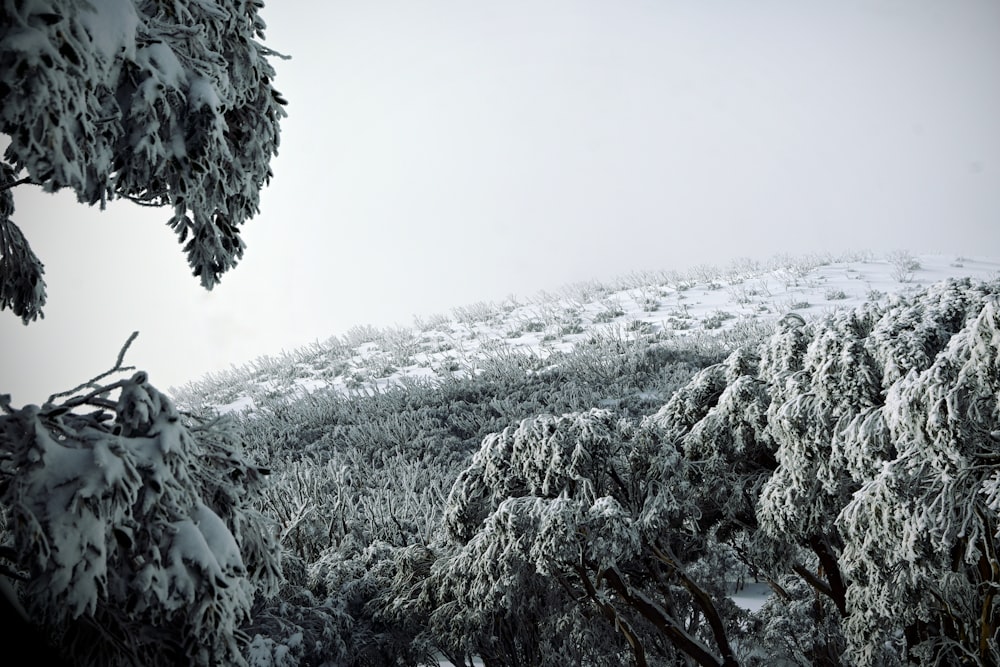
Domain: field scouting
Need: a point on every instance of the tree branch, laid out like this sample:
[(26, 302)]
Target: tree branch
[(21, 181), (609, 612), (704, 601), (677, 635), (837, 589)]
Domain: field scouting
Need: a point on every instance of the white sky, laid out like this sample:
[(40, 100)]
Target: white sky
[(442, 152)]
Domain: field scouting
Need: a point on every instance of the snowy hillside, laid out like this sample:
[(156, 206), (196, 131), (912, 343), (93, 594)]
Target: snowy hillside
[(791, 463), (746, 298)]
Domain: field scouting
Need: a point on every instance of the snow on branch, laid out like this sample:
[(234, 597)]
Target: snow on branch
[(165, 108)]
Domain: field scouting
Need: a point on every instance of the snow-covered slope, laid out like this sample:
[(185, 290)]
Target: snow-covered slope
[(738, 301)]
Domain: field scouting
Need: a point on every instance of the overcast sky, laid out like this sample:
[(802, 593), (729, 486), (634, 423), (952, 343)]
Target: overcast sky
[(442, 152)]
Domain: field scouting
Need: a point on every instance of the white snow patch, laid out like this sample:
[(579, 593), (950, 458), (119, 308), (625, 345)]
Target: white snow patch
[(111, 25), (241, 404)]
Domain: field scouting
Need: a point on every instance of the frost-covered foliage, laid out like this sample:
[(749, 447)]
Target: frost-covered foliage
[(22, 288), (163, 103), (339, 610), (850, 462), (797, 626), (300, 627), (856, 455), (132, 528), (921, 531), (378, 467), (883, 420)]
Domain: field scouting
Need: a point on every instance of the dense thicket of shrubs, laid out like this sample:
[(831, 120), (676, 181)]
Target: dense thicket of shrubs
[(361, 461), (848, 463), (359, 483)]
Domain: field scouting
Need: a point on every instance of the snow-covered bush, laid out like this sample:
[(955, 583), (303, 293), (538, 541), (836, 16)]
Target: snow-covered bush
[(131, 527), (903, 265), (921, 531), (849, 462), (358, 486), (166, 104), (300, 627)]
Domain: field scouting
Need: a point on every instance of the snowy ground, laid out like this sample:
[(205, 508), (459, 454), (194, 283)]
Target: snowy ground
[(746, 296)]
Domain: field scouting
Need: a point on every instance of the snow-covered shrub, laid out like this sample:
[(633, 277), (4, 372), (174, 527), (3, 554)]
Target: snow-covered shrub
[(481, 312), (855, 455), (835, 294), (903, 265), (296, 627), (612, 310), (883, 419), (534, 621), (340, 612), (350, 472), (716, 319), (921, 532), (133, 527)]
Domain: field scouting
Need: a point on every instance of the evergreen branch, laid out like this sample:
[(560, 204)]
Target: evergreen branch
[(22, 288)]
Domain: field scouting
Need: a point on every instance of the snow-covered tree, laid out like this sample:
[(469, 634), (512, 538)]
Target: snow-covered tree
[(162, 103), (580, 509), (719, 421), (800, 501), (129, 529), (885, 457)]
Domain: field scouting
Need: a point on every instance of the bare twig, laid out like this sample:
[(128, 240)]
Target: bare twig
[(92, 383)]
